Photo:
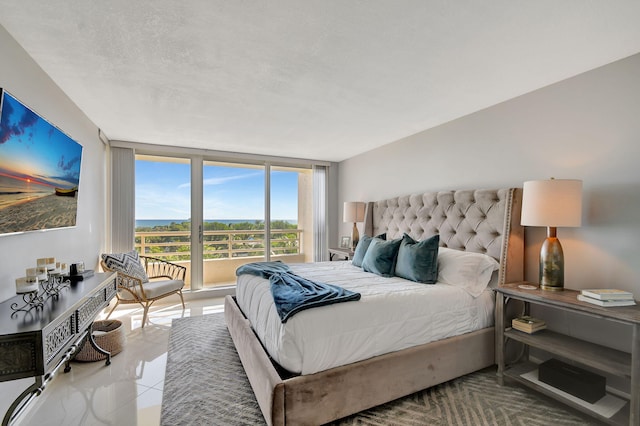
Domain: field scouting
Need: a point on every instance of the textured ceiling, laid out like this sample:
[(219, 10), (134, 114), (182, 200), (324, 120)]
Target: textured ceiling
[(321, 79)]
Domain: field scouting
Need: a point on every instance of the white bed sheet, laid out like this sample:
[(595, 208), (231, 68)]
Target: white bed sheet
[(392, 314)]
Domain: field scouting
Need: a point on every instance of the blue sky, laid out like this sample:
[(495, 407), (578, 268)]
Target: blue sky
[(33, 150), (163, 191)]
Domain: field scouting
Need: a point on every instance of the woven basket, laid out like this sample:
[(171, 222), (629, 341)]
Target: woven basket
[(109, 335)]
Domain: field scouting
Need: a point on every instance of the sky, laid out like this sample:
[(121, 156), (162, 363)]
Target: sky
[(34, 152), (163, 191)]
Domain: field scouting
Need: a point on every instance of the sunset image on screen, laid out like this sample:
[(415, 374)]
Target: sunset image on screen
[(39, 171)]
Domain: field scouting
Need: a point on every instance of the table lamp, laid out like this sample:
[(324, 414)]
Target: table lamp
[(552, 203), (354, 212)]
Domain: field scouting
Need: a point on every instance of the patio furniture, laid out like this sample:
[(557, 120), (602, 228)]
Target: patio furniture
[(144, 279)]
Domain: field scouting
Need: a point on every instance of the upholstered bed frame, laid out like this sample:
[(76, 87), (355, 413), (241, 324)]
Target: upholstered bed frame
[(485, 221)]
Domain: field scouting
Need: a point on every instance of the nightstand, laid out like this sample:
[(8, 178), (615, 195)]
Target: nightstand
[(598, 357), (340, 254)]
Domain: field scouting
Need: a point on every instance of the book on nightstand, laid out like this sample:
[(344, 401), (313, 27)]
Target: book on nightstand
[(607, 294), (613, 302), (528, 324)]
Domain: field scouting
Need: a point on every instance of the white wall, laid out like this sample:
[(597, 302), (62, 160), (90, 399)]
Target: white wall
[(586, 127), (24, 79)]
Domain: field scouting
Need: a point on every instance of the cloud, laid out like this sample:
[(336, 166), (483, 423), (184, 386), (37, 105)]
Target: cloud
[(69, 165), (222, 180), (7, 131)]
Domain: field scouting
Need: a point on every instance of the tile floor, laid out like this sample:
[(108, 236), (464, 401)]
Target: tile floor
[(129, 391)]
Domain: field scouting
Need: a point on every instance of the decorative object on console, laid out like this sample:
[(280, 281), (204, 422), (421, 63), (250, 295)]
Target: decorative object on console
[(49, 276), (44, 282), (354, 212), (78, 273), (76, 268), (82, 275), (26, 284), (552, 203)]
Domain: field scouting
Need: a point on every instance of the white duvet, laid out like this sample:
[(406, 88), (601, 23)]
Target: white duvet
[(392, 314)]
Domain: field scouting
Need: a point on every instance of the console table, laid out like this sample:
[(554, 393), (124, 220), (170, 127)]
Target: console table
[(37, 343)]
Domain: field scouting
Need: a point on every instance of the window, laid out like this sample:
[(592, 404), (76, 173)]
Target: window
[(162, 209), (236, 207)]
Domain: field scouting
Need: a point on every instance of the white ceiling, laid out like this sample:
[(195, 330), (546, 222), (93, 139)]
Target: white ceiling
[(321, 79)]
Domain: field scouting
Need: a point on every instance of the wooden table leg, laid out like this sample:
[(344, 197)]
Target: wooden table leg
[(634, 411), (499, 326)]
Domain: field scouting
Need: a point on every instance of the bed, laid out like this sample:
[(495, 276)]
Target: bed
[(478, 221)]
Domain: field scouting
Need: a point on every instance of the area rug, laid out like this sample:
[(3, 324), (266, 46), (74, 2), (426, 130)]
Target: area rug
[(205, 384)]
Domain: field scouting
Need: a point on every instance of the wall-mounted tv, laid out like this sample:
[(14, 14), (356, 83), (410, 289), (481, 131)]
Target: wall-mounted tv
[(39, 171)]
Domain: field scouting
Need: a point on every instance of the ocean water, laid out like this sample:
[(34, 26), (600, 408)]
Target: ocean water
[(15, 191), (163, 222)]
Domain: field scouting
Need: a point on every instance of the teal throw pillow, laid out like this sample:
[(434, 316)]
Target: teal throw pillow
[(381, 257), (418, 261), (361, 249)]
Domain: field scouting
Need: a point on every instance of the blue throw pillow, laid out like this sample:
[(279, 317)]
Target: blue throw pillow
[(418, 261), (361, 248), (381, 257)]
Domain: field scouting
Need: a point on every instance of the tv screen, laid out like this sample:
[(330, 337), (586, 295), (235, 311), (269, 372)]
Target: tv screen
[(39, 171)]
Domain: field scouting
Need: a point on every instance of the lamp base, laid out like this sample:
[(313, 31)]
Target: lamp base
[(551, 288), (355, 237), (551, 263)]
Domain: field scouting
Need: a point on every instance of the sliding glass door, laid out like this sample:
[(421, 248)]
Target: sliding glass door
[(163, 209), (291, 216), (233, 226), (213, 216)]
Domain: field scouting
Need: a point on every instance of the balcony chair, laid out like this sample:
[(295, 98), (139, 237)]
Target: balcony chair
[(143, 279)]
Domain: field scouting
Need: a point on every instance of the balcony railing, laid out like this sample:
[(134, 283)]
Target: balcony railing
[(224, 251), (227, 244)]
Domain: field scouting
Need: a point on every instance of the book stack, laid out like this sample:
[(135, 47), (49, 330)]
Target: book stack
[(528, 324), (607, 297)]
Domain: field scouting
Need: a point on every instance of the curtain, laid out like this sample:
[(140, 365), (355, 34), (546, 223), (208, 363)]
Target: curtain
[(122, 199), (320, 235)]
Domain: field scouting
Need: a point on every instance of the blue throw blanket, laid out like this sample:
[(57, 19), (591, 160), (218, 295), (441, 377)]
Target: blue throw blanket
[(293, 293)]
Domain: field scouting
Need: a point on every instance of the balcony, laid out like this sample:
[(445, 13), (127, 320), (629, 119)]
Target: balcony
[(223, 250)]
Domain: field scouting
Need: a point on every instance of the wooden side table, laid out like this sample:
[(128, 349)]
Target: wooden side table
[(596, 356), (340, 254)]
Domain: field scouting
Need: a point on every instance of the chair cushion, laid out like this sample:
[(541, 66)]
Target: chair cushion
[(127, 263), (153, 289)]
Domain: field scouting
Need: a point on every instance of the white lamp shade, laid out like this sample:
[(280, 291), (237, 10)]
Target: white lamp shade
[(553, 202), (353, 211)]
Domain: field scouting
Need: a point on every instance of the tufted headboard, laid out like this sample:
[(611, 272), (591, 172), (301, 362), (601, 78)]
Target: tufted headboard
[(482, 221)]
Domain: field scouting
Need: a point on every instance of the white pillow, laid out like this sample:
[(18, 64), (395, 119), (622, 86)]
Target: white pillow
[(468, 270)]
